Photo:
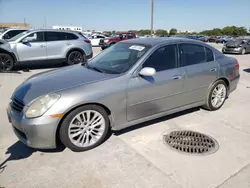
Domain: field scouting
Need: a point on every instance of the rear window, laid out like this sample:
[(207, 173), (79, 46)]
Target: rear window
[(210, 54)]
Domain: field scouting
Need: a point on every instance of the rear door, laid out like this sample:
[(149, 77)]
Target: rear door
[(57, 43), (201, 71)]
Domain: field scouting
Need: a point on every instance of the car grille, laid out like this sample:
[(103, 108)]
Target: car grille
[(16, 104), (231, 47)]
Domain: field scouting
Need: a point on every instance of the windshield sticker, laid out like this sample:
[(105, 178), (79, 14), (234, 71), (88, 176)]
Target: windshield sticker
[(135, 47)]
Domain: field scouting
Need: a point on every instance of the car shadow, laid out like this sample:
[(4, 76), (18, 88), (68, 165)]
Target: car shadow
[(34, 65), (247, 70), (154, 121), (19, 151)]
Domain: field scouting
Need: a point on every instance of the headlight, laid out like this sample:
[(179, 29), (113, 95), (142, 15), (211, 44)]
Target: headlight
[(41, 105)]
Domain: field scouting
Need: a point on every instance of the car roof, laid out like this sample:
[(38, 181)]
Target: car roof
[(56, 30), (154, 41), (11, 28)]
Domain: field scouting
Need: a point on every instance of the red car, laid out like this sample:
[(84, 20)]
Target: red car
[(105, 43)]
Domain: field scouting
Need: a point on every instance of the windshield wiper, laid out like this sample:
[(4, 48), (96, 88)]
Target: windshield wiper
[(93, 68)]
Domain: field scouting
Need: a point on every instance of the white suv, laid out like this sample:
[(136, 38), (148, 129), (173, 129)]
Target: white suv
[(45, 45)]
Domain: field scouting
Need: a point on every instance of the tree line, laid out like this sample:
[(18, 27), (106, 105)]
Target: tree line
[(228, 30)]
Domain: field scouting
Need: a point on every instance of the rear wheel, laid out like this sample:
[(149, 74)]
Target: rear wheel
[(216, 96), (75, 57), (6, 62), (84, 128)]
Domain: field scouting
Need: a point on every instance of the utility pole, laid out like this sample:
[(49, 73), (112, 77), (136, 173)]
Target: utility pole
[(152, 17), (45, 22), (24, 20)]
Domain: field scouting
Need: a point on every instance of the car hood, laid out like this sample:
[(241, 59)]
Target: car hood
[(233, 43), (57, 80)]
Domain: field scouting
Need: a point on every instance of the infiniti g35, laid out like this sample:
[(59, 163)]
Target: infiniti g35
[(131, 82)]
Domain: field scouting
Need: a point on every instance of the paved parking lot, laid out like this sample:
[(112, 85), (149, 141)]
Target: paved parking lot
[(137, 157)]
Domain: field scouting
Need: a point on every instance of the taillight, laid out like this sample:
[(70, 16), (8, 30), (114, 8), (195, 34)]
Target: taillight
[(237, 66), (87, 41)]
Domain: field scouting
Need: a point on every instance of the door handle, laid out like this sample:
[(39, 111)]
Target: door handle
[(176, 77), (42, 46), (213, 70)]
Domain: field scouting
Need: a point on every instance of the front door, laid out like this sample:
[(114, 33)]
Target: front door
[(201, 71), (151, 95), (34, 47)]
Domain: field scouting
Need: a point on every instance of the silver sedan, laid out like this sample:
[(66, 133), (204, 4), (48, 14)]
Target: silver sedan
[(128, 83)]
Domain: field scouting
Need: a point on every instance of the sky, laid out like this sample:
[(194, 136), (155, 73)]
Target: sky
[(124, 15)]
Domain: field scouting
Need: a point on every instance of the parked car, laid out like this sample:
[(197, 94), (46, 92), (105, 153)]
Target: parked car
[(131, 82), (45, 45), (105, 43), (204, 39), (211, 39), (11, 32), (237, 46), (95, 39), (223, 39)]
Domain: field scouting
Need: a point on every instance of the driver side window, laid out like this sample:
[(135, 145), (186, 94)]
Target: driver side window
[(164, 58), (35, 37)]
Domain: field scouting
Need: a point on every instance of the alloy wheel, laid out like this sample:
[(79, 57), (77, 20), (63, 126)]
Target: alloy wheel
[(6, 62), (75, 57), (218, 95), (86, 128)]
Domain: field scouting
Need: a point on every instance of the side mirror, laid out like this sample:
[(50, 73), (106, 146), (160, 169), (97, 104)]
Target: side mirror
[(147, 71)]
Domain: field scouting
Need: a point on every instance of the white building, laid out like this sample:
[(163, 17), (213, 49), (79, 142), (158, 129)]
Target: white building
[(73, 28)]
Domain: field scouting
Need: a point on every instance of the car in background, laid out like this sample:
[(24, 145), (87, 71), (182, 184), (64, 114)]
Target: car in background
[(45, 45), (237, 46), (11, 32), (223, 39), (204, 39), (211, 39), (95, 39), (129, 83), (113, 39)]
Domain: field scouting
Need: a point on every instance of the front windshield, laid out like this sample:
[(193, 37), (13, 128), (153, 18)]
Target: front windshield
[(114, 36), (118, 58), (18, 36)]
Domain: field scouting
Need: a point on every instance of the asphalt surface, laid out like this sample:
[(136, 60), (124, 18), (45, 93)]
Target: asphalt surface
[(136, 157)]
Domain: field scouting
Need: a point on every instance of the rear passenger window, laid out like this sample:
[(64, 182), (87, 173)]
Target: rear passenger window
[(192, 54), (130, 36), (52, 36), (68, 36), (210, 54)]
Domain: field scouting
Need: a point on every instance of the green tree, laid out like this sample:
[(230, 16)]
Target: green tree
[(113, 32), (144, 32), (161, 32), (173, 31)]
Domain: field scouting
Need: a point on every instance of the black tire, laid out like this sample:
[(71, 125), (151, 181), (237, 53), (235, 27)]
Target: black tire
[(63, 132), (103, 48), (208, 105), (6, 62), (243, 51), (75, 57)]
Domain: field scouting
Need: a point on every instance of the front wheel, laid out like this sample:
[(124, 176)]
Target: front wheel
[(84, 128), (103, 48), (6, 62), (243, 51), (75, 57), (216, 96)]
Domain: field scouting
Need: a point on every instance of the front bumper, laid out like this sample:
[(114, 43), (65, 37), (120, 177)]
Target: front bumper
[(37, 132), (234, 83)]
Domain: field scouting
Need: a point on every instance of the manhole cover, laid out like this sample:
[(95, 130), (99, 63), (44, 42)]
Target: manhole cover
[(191, 142)]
